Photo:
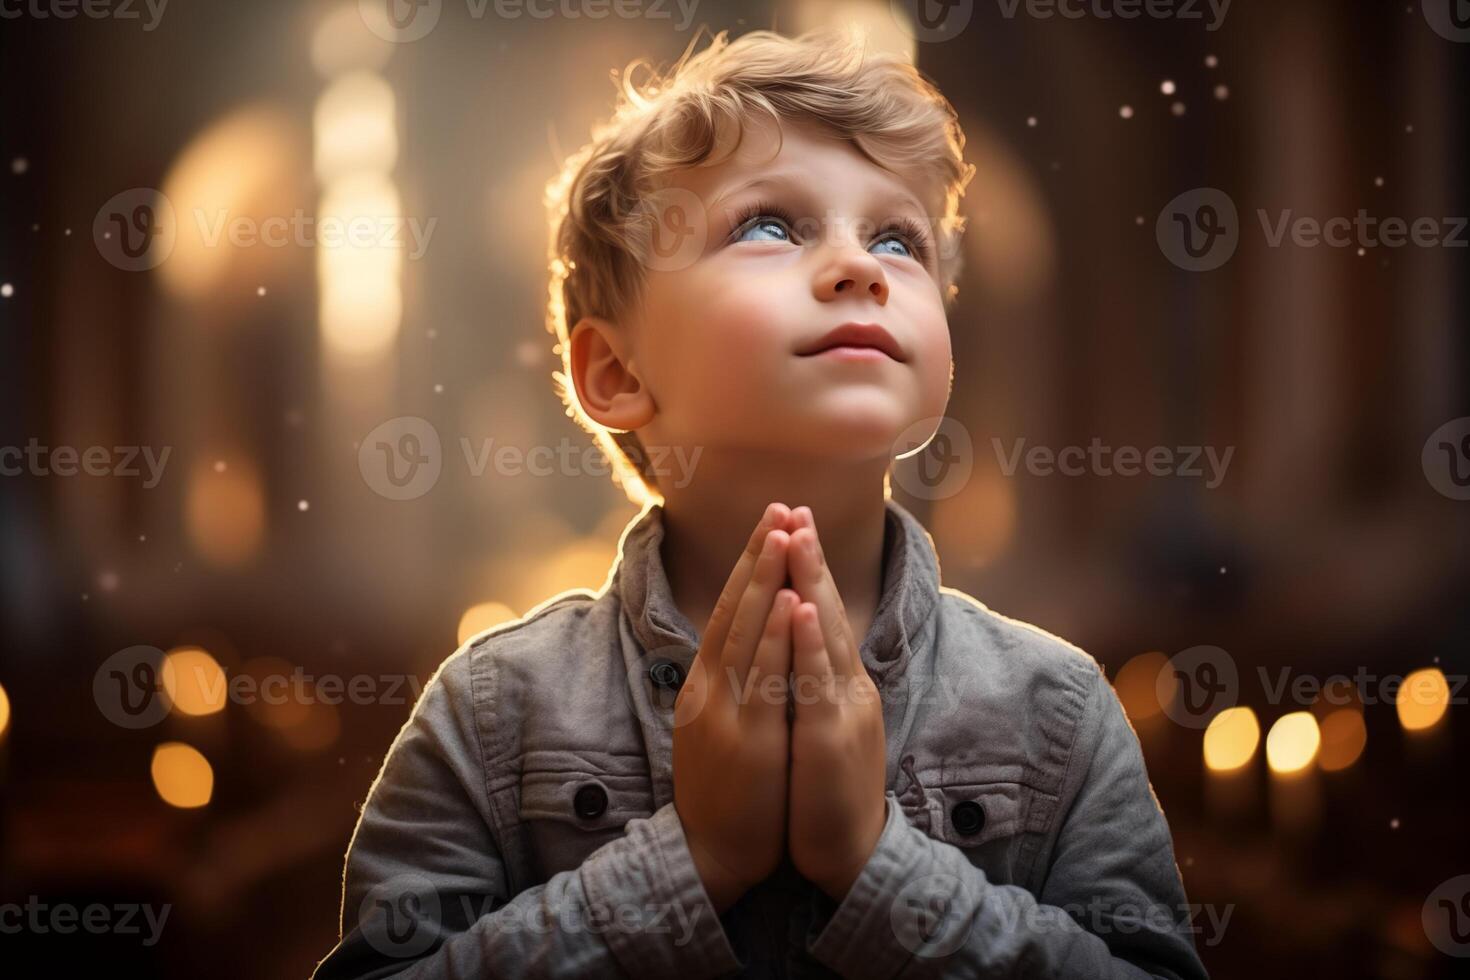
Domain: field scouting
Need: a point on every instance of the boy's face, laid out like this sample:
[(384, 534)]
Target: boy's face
[(719, 339)]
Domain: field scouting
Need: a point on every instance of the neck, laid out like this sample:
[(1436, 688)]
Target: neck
[(709, 520)]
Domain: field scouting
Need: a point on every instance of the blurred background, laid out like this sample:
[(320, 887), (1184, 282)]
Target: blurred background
[(198, 371)]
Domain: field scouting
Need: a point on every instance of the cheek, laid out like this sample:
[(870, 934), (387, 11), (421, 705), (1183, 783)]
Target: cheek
[(722, 330), (933, 357), (710, 350)]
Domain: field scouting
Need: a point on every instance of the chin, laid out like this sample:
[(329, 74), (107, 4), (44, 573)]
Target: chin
[(849, 437)]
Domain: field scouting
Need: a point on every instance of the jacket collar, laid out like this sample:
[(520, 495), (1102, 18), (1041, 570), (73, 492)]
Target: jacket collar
[(909, 593)]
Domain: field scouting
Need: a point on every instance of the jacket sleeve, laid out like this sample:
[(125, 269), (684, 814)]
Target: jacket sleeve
[(425, 891), (1112, 904)]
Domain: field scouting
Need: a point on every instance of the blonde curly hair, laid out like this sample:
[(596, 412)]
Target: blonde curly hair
[(890, 112)]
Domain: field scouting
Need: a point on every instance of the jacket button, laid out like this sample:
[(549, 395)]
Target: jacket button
[(968, 817), (590, 801), (666, 674)]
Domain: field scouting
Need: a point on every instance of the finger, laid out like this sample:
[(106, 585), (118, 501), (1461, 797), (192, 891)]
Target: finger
[(772, 659), (718, 627), (812, 579), (811, 667), (749, 622)]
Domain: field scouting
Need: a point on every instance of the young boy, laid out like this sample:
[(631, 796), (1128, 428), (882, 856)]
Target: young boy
[(849, 770)]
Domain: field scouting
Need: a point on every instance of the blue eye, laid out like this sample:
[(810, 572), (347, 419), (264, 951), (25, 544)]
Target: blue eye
[(769, 229), (902, 251)]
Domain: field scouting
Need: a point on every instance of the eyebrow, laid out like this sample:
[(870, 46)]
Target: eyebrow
[(792, 179)]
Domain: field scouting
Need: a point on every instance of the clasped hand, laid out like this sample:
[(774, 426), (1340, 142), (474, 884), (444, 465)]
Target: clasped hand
[(752, 778)]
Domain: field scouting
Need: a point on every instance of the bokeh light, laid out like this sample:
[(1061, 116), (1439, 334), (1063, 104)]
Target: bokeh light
[(1344, 736), (1231, 739), (1137, 685), (1292, 742), (182, 775), (194, 681), (1423, 699), (482, 616), (224, 512)]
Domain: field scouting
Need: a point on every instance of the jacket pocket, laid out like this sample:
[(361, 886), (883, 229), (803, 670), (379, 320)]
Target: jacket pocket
[(568, 815), (973, 814), (983, 818)]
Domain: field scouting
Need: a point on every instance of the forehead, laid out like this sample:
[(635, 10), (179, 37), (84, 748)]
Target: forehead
[(799, 156)]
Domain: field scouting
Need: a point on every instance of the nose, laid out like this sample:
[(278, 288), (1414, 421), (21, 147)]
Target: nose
[(849, 270)]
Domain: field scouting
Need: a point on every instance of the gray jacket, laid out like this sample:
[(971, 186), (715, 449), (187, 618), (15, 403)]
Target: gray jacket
[(523, 821)]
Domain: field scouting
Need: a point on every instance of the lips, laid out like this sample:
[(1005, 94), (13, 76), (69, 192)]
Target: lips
[(869, 335)]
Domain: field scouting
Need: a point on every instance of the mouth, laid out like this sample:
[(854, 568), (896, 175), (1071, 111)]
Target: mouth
[(855, 341)]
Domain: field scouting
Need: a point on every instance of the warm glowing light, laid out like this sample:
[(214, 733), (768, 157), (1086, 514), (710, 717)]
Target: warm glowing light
[(194, 681), (1137, 685), (342, 42), (1424, 697), (1010, 234), (224, 512), (877, 21), (1231, 739), (1343, 737), (579, 564), (1292, 742), (236, 170), (978, 522), (4, 710), (354, 128), (182, 776), (482, 616), (361, 300)]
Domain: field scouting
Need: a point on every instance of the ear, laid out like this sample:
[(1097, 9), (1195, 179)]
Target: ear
[(607, 388)]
